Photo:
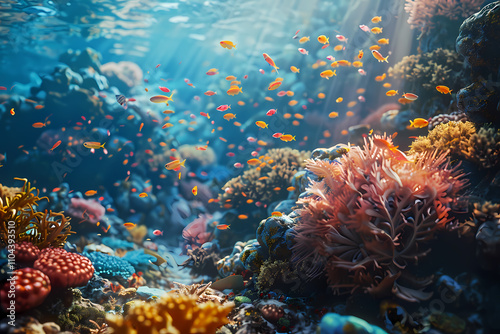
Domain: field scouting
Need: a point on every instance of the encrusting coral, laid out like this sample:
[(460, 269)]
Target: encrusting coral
[(42, 229), (484, 147), (366, 221), (172, 313), (265, 183)]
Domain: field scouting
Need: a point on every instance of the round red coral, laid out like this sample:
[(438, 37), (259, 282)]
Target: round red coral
[(26, 252), (65, 269), (28, 289)]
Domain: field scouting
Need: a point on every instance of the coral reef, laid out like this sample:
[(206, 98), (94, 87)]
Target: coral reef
[(454, 116), (89, 209), (484, 147), (64, 269), (172, 313), (428, 70), (28, 289), (425, 13), (366, 222), (333, 323), (452, 136), (26, 252), (479, 43), (265, 183), (42, 229), (111, 267), (124, 74)]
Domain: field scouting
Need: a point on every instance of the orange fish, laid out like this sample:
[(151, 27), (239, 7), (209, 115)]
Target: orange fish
[(419, 123), (129, 225), (223, 226), (443, 90), (242, 216), (175, 164), (383, 144), (12, 112), (195, 190), (287, 138), (276, 214), (379, 56), (162, 99), (410, 96), (90, 193), (38, 125), (253, 162), (143, 195), (56, 144), (270, 61)]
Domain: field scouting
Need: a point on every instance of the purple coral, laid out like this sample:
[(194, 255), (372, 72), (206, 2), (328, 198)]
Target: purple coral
[(369, 216), (422, 11)]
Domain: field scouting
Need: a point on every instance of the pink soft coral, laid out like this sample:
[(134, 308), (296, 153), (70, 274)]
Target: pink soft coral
[(88, 209), (369, 215), (422, 11)]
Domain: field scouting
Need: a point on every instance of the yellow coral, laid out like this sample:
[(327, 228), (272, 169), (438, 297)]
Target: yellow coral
[(43, 229), (261, 183), (171, 314), (453, 136), (484, 147)]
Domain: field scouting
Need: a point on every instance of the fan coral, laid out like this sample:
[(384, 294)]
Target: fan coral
[(265, 183), (173, 314), (424, 12), (428, 70), (452, 136), (367, 220), (42, 229)]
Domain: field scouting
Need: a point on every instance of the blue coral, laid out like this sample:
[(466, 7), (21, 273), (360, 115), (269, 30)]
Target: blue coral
[(110, 267), (333, 323)]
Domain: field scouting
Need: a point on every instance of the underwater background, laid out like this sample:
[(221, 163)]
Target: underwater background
[(250, 166)]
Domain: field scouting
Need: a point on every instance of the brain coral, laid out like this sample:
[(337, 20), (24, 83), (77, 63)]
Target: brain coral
[(364, 224), (261, 183)]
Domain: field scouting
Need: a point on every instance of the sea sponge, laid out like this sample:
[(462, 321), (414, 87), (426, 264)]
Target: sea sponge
[(31, 288), (452, 136), (366, 222), (42, 229), (266, 183), (427, 70), (172, 313)]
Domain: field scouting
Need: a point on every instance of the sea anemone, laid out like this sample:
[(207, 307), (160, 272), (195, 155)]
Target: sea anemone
[(368, 218)]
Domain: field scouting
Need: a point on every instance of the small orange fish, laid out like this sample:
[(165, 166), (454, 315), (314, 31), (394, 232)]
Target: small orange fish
[(261, 124), (443, 90), (379, 56), (242, 216), (129, 225), (223, 226), (195, 190), (38, 125), (287, 138), (360, 54), (12, 112), (143, 195), (383, 144), (376, 30), (270, 61), (227, 45), (230, 78), (175, 164), (290, 188), (419, 123), (140, 127), (56, 144), (276, 214), (392, 92), (254, 162), (410, 96), (90, 193)]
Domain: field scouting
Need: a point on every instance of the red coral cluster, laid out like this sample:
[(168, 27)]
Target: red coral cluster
[(65, 269), (28, 289), (369, 216), (25, 252)]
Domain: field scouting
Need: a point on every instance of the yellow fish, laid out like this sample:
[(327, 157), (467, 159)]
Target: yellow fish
[(419, 123), (377, 19), (392, 92), (328, 74), (323, 39), (227, 44), (261, 124), (383, 41), (376, 30), (294, 69), (229, 116), (234, 90), (175, 164), (287, 138), (162, 99), (93, 144), (304, 40), (379, 56)]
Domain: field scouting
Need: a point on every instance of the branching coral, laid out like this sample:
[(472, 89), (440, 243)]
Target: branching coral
[(43, 229), (367, 220), (461, 138), (452, 136), (267, 182), (422, 12), (428, 69), (173, 314), (484, 147)]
